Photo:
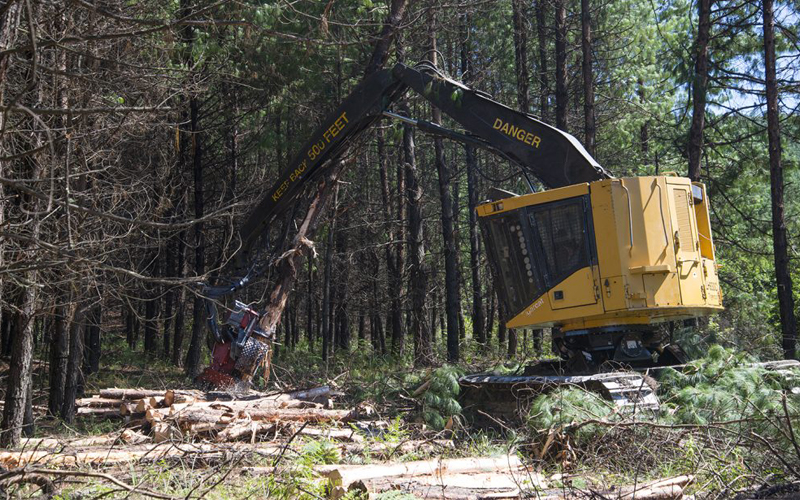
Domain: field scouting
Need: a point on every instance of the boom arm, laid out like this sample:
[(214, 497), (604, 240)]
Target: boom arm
[(555, 157)]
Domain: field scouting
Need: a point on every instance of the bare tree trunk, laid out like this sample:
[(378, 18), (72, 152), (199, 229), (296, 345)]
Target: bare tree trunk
[(588, 78), (519, 18), (780, 242), (562, 93), (169, 297), (286, 269), (192, 366), (541, 36), (180, 306), (394, 256), (59, 353), (19, 376), (381, 51), (699, 88), (327, 327), (310, 306), (448, 236), (512, 342), (418, 278), (92, 339), (74, 382)]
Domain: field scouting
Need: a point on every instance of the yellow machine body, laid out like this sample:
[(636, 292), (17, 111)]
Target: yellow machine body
[(615, 252)]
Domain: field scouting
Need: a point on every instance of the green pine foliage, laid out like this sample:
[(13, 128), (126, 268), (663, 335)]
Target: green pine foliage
[(439, 401), (560, 411), (725, 386)]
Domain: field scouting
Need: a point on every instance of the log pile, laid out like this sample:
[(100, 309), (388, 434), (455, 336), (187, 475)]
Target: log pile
[(186, 414)]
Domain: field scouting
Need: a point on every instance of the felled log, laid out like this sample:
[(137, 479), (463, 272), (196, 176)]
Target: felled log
[(116, 393), (343, 478), (171, 397), (390, 450), (241, 406), (109, 456), (244, 428), (97, 402), (99, 412), (127, 436), (163, 431), (144, 404), (318, 395), (662, 489), (127, 408), (336, 434)]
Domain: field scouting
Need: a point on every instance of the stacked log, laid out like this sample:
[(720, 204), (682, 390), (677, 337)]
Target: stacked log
[(184, 414)]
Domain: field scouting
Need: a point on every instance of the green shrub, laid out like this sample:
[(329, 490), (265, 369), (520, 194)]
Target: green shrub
[(439, 401), (556, 411)]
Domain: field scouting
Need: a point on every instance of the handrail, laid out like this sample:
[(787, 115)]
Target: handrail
[(630, 212), (661, 207)]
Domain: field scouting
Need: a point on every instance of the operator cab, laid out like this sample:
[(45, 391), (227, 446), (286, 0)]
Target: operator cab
[(604, 261)]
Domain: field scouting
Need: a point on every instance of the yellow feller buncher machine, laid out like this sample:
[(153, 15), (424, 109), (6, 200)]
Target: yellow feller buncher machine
[(601, 260)]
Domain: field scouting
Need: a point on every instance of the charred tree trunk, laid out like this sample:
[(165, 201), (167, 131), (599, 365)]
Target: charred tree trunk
[(562, 92), (588, 79), (699, 87), (780, 242)]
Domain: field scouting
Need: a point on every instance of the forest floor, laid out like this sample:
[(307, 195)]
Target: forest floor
[(368, 435)]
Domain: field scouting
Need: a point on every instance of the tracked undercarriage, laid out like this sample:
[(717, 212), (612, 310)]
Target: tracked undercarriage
[(619, 364)]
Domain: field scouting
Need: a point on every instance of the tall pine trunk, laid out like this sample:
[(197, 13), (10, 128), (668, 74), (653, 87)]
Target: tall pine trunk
[(541, 38), (74, 383), (589, 127), (699, 88), (59, 353), (562, 93), (448, 236), (519, 19), (780, 242), (192, 366)]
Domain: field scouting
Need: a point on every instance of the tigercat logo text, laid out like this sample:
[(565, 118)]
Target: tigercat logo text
[(313, 152), (532, 309), (517, 133)]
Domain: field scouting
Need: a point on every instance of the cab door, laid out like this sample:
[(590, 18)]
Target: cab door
[(686, 243)]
